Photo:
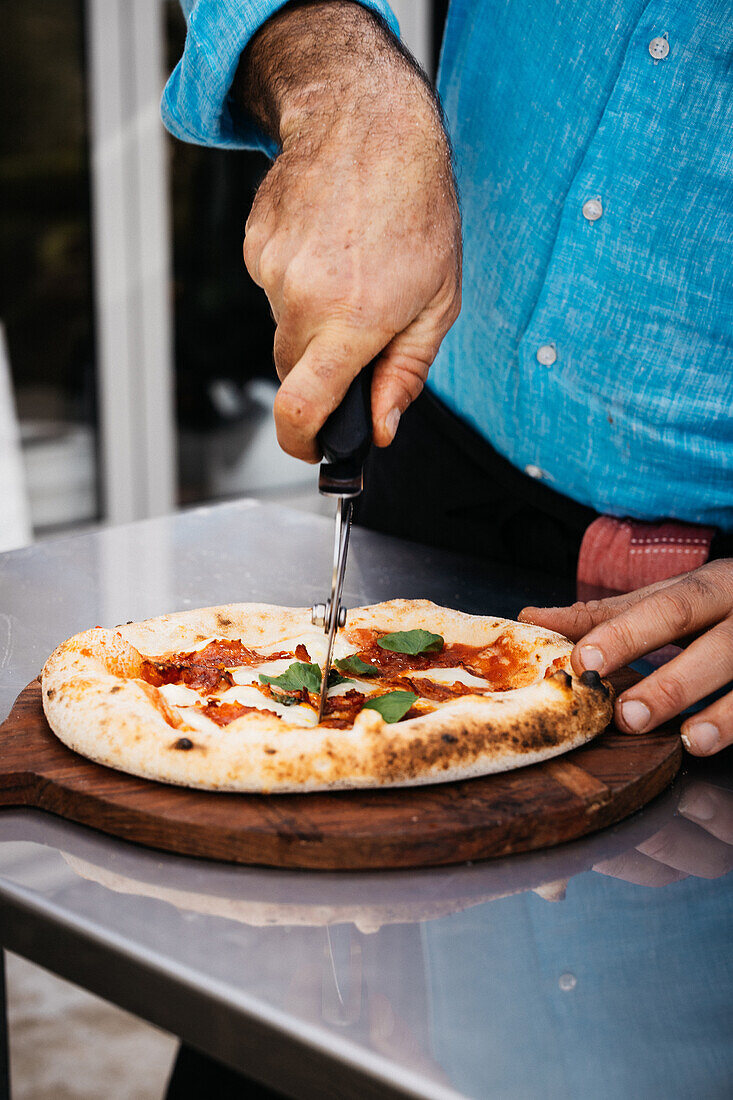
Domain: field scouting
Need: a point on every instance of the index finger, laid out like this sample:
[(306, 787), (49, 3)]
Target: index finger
[(577, 619), (664, 616), (317, 384)]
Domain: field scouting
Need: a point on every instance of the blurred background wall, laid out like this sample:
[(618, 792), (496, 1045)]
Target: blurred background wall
[(136, 373)]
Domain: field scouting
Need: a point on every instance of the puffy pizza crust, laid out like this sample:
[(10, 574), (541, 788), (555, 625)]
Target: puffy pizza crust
[(97, 706)]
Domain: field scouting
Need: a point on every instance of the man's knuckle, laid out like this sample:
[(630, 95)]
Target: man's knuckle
[(408, 386), (299, 278), (251, 252), (583, 616), (269, 265), (678, 608), (670, 694), (622, 635), (724, 633), (455, 310), (703, 585), (719, 576)]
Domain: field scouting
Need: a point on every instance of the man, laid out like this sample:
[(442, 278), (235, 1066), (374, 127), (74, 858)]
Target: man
[(590, 374)]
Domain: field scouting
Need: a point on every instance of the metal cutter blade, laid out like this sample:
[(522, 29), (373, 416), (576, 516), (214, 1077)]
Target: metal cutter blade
[(332, 614), (345, 440)]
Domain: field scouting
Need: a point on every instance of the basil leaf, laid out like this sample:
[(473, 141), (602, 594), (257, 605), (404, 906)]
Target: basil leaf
[(298, 675), (393, 705), (411, 641), (334, 679), (287, 700), (354, 665)]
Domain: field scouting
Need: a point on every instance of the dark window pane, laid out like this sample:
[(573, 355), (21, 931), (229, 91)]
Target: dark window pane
[(45, 261)]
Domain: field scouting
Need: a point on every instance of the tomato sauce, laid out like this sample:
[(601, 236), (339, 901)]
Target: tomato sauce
[(436, 693), (500, 663), (224, 713), (340, 711), (204, 669)]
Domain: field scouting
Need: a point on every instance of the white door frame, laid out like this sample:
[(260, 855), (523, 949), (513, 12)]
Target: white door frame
[(132, 258), (414, 17)]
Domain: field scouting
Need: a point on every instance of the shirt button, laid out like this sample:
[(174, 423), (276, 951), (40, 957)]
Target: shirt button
[(534, 471), (659, 48), (546, 355), (592, 209)]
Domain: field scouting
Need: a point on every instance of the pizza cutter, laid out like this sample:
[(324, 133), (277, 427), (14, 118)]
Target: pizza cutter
[(345, 440)]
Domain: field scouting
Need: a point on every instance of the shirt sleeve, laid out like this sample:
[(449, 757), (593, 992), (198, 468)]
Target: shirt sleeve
[(196, 105)]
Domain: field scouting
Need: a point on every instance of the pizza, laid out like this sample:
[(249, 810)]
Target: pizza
[(226, 698)]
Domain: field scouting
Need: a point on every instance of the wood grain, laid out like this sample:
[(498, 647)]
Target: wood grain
[(518, 811)]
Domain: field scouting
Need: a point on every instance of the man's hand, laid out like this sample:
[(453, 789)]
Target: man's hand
[(354, 233), (610, 633)]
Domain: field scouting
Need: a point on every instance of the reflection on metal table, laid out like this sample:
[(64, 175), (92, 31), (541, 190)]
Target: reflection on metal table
[(600, 968)]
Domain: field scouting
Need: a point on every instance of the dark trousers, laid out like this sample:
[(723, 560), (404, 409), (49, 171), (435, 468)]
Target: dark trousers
[(442, 484)]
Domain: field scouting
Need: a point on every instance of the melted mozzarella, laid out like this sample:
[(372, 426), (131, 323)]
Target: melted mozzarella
[(449, 676), (244, 675), (297, 715), (197, 721), (315, 644), (364, 686), (201, 645), (178, 695), (310, 639)]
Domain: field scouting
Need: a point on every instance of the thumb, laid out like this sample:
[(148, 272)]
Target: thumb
[(401, 373), (398, 380), (404, 364)]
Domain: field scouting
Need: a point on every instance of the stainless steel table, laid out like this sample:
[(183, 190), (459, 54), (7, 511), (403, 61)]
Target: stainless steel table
[(602, 968)]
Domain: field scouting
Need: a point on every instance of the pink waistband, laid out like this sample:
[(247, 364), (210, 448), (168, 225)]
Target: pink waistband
[(624, 554)]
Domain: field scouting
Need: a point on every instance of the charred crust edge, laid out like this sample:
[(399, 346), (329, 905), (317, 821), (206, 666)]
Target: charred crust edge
[(183, 743), (591, 679)]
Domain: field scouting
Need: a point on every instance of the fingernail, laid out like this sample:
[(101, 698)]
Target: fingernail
[(699, 805), (702, 738), (591, 658), (635, 715), (391, 421)]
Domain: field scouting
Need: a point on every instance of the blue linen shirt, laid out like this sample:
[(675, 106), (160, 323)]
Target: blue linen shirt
[(594, 352)]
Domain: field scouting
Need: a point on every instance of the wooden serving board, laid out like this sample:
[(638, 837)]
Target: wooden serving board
[(497, 815)]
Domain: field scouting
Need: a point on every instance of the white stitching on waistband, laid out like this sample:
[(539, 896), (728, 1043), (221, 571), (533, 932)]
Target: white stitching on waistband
[(666, 550)]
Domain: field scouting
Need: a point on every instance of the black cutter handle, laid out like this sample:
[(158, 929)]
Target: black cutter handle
[(346, 436)]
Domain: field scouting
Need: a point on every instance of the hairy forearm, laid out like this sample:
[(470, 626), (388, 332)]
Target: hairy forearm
[(314, 61), (354, 233)]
